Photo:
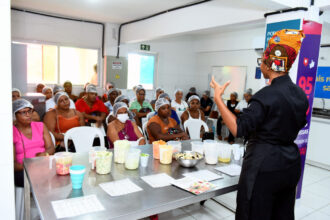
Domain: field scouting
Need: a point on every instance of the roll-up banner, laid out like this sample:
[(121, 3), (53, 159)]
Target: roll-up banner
[(303, 71)]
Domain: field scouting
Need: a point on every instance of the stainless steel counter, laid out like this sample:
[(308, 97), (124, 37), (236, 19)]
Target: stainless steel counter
[(46, 186)]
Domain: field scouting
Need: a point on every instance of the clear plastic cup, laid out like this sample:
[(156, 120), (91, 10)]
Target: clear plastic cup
[(121, 147), (177, 147), (103, 162), (92, 155), (132, 159), (197, 146), (63, 161), (225, 153), (144, 160), (77, 173), (211, 152), (236, 152), (165, 154)]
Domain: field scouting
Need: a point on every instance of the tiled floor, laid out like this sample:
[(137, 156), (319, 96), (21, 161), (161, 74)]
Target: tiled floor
[(314, 203)]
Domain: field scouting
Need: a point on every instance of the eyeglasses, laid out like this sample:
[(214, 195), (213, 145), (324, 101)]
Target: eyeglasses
[(28, 112)]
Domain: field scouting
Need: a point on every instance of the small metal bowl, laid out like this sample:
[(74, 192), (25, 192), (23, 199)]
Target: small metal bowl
[(188, 162)]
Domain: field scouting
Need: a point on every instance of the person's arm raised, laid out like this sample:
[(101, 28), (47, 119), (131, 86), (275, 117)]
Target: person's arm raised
[(228, 117)]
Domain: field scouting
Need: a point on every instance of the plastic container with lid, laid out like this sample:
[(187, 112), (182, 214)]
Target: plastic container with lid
[(177, 147), (63, 161), (121, 147), (103, 162), (165, 154), (211, 150), (155, 148), (92, 155), (132, 159)]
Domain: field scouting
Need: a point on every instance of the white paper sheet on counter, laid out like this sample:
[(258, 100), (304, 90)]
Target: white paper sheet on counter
[(231, 170), (120, 187), (76, 206), (158, 180), (204, 175)]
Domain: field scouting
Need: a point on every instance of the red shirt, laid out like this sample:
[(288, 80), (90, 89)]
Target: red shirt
[(98, 106)]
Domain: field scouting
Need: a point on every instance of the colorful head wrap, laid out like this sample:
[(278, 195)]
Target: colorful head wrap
[(283, 49)]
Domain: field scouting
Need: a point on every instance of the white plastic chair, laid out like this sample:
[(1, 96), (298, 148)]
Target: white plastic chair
[(53, 138), (83, 138), (144, 128), (150, 115), (194, 127)]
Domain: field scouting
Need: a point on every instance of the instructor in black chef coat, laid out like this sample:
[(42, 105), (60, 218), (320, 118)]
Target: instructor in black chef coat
[(271, 166)]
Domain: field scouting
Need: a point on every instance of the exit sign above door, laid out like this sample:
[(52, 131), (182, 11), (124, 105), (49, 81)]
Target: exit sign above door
[(145, 47)]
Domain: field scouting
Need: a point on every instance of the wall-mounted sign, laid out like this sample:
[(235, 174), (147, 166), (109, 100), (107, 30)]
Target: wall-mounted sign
[(145, 47), (117, 65), (322, 85)]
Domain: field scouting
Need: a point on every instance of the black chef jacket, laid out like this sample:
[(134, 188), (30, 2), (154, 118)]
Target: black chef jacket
[(271, 123)]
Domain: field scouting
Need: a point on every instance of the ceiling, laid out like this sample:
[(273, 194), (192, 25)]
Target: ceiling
[(120, 11)]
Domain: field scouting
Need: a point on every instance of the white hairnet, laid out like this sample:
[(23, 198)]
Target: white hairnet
[(178, 90), (112, 90), (206, 92), (17, 90), (139, 88), (160, 102), (20, 104), (121, 98), (59, 95), (117, 106), (235, 94), (91, 88), (158, 90), (58, 88), (44, 90), (193, 97), (248, 91), (164, 95)]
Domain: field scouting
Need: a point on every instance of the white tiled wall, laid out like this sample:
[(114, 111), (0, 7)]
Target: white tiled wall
[(7, 206)]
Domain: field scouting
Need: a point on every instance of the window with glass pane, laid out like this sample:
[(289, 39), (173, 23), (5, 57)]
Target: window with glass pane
[(55, 64), (77, 65), (141, 69)]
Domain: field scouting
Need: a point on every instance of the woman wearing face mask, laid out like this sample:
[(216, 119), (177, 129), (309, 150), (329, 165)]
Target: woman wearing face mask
[(122, 128)]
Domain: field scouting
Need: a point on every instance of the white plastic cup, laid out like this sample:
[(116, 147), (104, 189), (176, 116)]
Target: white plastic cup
[(197, 146), (211, 152), (236, 152), (225, 153), (144, 160), (132, 159)]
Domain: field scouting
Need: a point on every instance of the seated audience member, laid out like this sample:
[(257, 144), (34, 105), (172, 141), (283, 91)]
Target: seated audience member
[(108, 86), (244, 102), (119, 92), (62, 118), (178, 104), (50, 103), (48, 92), (192, 91), (83, 93), (39, 87), (112, 95), (16, 94), (231, 104), (140, 107), (158, 91), (122, 128), (93, 110), (194, 110), (131, 115), (68, 89), (162, 126), (206, 103), (30, 139), (173, 112)]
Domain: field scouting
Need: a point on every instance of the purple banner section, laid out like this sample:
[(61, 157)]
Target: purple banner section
[(307, 68)]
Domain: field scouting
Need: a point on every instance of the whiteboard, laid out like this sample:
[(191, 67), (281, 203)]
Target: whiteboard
[(237, 76)]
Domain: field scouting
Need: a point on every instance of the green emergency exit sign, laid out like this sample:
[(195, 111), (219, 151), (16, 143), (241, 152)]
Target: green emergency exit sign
[(145, 47)]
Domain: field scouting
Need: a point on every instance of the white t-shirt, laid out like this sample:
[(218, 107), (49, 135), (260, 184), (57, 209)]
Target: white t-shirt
[(179, 107), (242, 104), (50, 104)]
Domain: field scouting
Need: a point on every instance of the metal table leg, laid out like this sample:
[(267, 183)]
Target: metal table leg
[(27, 199)]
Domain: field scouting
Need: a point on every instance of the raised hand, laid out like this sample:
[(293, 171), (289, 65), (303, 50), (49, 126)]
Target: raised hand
[(218, 89)]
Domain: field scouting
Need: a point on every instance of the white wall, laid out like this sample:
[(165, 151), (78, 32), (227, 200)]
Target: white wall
[(7, 206)]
